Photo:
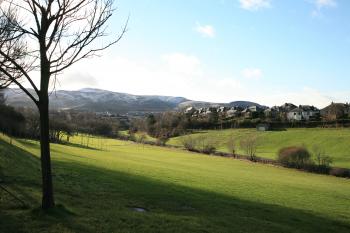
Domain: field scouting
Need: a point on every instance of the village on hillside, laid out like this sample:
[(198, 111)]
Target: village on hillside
[(286, 112)]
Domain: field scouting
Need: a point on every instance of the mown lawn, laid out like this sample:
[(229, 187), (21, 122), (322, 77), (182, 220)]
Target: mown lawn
[(335, 142), (183, 192)]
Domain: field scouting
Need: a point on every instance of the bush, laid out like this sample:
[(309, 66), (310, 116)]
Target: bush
[(162, 141), (249, 145), (208, 149), (231, 145), (132, 137), (205, 145), (199, 144), (189, 143), (297, 157), (340, 172)]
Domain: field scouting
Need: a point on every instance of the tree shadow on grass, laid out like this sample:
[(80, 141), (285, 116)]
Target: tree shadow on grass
[(102, 200), (36, 145), (20, 173), (77, 145), (32, 144)]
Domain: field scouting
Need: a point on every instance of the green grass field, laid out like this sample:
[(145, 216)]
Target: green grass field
[(183, 192), (335, 142)]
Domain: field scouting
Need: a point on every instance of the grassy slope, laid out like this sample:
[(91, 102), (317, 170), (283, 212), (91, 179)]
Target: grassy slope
[(336, 142), (184, 192)]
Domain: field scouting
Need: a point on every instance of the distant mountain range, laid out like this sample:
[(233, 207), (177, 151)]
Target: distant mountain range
[(96, 100)]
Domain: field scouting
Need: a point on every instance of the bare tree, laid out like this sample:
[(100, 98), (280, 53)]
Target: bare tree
[(250, 145), (322, 159), (231, 145), (43, 38), (2, 97)]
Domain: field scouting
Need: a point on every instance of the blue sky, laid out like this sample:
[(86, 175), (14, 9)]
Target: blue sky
[(269, 51)]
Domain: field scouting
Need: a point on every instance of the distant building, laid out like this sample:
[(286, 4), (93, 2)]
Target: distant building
[(221, 109), (272, 112), (303, 113), (287, 107), (335, 111), (190, 110), (234, 112), (252, 112)]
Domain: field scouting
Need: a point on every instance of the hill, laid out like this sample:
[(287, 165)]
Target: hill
[(335, 142), (96, 100), (202, 104), (100, 191)]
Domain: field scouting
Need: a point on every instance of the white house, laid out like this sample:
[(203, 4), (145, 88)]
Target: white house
[(303, 112)]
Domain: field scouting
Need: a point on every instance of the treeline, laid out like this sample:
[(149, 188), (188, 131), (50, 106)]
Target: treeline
[(171, 124), (160, 126), (25, 123)]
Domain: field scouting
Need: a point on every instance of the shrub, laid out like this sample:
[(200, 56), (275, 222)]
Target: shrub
[(189, 143), (231, 145), (297, 157), (206, 145), (162, 141), (340, 172), (208, 149), (249, 145), (141, 138), (321, 158), (199, 144), (132, 137)]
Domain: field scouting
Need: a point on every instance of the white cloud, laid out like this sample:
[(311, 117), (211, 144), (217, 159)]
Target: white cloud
[(179, 74), (252, 73), (205, 30), (325, 3), (182, 63), (254, 5), (302, 96), (174, 74), (320, 4)]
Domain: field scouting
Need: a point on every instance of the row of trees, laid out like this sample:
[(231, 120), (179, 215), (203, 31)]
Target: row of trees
[(11, 122), (25, 123), (171, 124), (207, 145), (161, 126)]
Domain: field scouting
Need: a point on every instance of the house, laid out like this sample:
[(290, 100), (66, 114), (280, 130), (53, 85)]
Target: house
[(190, 111), (201, 111), (247, 113), (335, 111), (234, 112), (303, 113), (284, 109), (252, 111), (272, 112), (221, 109), (287, 107)]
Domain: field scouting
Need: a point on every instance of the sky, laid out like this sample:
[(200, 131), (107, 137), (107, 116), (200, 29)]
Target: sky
[(267, 51)]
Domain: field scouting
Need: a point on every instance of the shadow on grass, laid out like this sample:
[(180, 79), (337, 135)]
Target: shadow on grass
[(36, 145), (77, 145), (101, 201), (32, 144), (20, 172)]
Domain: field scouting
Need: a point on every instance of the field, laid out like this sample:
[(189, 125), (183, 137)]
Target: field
[(98, 191), (335, 142)]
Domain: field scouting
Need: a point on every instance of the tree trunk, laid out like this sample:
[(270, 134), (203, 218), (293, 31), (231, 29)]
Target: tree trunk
[(47, 189)]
